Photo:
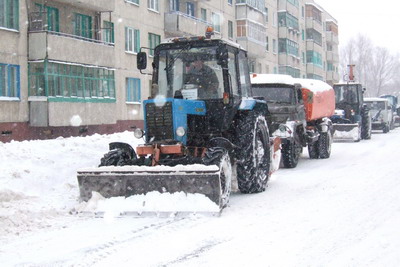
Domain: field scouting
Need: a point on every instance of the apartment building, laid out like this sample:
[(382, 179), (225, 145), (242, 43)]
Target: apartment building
[(68, 67)]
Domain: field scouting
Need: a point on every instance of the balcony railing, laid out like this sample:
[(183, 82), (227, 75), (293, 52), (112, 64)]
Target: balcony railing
[(38, 23), (180, 24)]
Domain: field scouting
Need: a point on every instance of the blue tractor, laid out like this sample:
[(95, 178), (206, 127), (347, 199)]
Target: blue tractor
[(203, 129)]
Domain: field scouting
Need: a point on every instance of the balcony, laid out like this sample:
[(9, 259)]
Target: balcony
[(313, 69), (64, 47), (313, 24), (332, 76), (181, 24), (331, 38), (332, 57), (95, 5), (312, 46)]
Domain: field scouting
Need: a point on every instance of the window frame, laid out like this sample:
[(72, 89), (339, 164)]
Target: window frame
[(153, 41), (133, 90), (10, 17), (153, 5), (108, 33), (12, 85), (132, 40), (84, 29)]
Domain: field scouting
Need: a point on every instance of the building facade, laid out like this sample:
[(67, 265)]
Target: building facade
[(68, 67)]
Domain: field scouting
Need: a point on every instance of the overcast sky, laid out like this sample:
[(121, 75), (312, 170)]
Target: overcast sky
[(379, 20)]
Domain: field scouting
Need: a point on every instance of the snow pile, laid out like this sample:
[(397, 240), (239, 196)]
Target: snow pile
[(38, 178), (150, 202)]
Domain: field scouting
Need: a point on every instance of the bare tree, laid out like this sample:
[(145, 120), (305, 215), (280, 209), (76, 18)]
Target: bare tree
[(381, 70), (376, 68)]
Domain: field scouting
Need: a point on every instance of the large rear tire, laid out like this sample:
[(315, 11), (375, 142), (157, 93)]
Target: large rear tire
[(366, 124), (220, 157), (290, 154), (325, 145), (253, 154), (313, 150)]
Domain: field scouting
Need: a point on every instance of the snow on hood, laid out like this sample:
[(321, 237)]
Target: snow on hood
[(314, 85), (272, 79)]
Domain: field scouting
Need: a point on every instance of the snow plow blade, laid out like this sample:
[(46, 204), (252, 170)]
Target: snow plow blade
[(135, 180), (346, 132)]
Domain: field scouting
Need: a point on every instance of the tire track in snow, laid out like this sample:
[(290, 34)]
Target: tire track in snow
[(95, 255), (195, 253)]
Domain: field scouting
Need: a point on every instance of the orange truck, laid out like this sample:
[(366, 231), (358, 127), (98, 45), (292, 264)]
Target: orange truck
[(300, 111)]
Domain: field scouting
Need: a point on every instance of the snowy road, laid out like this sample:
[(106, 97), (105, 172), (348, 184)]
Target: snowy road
[(342, 211)]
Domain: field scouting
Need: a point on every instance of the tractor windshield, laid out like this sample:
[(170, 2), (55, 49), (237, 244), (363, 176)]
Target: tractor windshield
[(346, 93), (274, 94), (189, 73), (375, 105)]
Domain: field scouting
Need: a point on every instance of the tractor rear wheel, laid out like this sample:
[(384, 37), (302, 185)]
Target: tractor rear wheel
[(313, 151), (291, 154), (366, 124), (219, 156), (325, 145), (253, 153)]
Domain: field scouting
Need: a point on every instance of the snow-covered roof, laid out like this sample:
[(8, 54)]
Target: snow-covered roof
[(272, 79), (314, 85), (372, 99)]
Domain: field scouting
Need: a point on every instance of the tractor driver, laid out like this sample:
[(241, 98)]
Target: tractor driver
[(204, 77)]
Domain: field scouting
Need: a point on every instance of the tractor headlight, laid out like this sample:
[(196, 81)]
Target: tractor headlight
[(180, 131), (138, 133)]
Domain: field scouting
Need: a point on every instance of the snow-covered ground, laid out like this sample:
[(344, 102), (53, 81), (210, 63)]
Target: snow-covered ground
[(342, 211)]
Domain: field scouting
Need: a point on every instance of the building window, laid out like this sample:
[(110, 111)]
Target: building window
[(257, 4), (230, 29), (154, 40), (288, 46), (51, 21), (71, 82), (83, 25), (274, 46), (266, 43), (314, 58), (230, 2), (287, 20), (174, 5), (314, 35), (153, 5), (133, 90), (203, 14), (132, 40), (251, 30), (303, 35), (190, 9), (266, 14), (216, 23), (9, 80), (9, 14), (133, 1), (108, 32), (302, 11), (294, 2)]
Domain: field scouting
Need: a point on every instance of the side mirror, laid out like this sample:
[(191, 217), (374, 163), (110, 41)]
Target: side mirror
[(141, 60)]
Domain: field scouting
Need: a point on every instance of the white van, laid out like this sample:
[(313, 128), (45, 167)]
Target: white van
[(381, 112)]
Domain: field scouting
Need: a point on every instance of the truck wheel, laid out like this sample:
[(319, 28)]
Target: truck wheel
[(219, 156), (366, 124), (290, 154), (253, 154), (325, 145), (313, 151)]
